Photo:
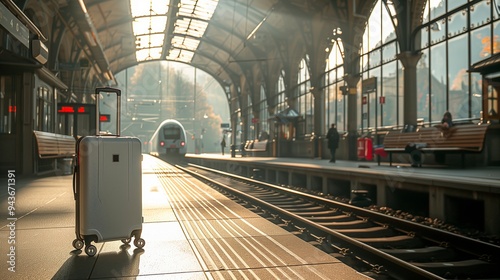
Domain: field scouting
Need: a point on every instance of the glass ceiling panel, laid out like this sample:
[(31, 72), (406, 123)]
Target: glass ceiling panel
[(181, 55), (185, 43), (148, 54), (185, 56), (139, 7), (193, 18), (146, 24), (150, 18), (149, 41), (149, 27)]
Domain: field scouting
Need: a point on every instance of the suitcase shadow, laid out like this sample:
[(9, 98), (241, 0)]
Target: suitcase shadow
[(103, 265)]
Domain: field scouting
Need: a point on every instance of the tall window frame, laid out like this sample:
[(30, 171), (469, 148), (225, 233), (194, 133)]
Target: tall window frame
[(382, 108), (45, 109), (454, 29), (9, 87)]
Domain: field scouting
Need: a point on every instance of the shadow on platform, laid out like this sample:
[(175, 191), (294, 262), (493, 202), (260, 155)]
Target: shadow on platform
[(123, 263)]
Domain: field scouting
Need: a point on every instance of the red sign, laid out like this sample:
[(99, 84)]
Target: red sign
[(66, 109), (12, 109), (70, 109), (255, 120), (104, 118), (382, 99), (364, 100)]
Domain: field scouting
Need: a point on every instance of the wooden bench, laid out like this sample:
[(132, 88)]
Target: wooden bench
[(257, 147), (53, 146), (460, 138)]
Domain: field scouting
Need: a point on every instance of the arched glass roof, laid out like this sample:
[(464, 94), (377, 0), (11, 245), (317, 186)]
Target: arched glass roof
[(151, 20)]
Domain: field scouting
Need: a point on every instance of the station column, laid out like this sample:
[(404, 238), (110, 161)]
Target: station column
[(410, 60), (352, 114)]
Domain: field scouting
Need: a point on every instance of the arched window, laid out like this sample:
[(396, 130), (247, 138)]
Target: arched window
[(280, 89), (335, 101), (305, 102), (382, 105), (264, 114)]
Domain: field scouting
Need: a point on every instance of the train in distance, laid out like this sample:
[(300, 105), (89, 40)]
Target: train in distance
[(169, 140)]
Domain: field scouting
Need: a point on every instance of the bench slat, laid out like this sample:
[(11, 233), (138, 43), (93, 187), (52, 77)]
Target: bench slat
[(461, 138), (464, 137), (52, 145), (257, 146)]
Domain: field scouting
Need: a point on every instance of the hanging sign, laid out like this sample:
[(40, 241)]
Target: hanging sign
[(369, 85), (14, 26)]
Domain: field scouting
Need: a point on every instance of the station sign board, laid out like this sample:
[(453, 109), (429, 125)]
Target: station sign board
[(14, 26)]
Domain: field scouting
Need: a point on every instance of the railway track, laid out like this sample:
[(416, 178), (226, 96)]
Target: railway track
[(388, 247)]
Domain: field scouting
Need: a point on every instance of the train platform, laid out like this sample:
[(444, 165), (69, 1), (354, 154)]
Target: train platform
[(191, 232), (485, 176), (466, 197)]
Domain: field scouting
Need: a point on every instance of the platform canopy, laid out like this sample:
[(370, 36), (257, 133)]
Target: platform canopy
[(220, 37)]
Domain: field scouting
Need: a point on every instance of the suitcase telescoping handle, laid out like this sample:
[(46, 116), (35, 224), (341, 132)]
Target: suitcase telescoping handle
[(118, 92)]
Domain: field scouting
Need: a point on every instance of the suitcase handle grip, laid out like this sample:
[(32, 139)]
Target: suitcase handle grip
[(118, 93), (108, 89)]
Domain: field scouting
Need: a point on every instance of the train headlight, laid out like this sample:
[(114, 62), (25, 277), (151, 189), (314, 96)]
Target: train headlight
[(183, 143), (162, 143)]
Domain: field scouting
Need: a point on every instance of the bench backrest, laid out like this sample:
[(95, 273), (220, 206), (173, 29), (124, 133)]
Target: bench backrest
[(465, 137), (52, 145), (260, 145)]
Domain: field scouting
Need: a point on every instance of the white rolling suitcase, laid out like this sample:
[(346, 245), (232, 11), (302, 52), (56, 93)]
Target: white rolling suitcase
[(107, 185)]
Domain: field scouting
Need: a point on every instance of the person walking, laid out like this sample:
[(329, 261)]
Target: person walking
[(333, 141), (223, 144)]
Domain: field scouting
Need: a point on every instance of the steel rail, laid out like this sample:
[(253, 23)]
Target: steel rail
[(466, 244), (394, 266)]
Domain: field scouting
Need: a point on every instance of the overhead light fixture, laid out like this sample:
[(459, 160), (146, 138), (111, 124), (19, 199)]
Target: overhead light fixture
[(256, 28), (84, 8), (108, 75), (39, 51)]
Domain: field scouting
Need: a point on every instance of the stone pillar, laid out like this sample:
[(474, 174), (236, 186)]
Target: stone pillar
[(381, 192), (235, 118), (309, 185), (409, 61), (491, 214), (324, 184), (25, 154), (352, 115), (436, 203), (319, 119)]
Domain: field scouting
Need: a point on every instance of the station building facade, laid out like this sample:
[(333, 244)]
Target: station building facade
[(453, 36)]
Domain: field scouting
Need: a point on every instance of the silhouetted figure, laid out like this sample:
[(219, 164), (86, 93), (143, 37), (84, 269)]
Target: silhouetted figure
[(223, 144), (333, 141)]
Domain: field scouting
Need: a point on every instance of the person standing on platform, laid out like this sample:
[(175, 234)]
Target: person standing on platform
[(223, 144), (333, 141)]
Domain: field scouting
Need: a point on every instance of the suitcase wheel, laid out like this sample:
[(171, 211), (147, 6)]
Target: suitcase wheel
[(78, 244), (139, 243), (126, 240), (91, 250)]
